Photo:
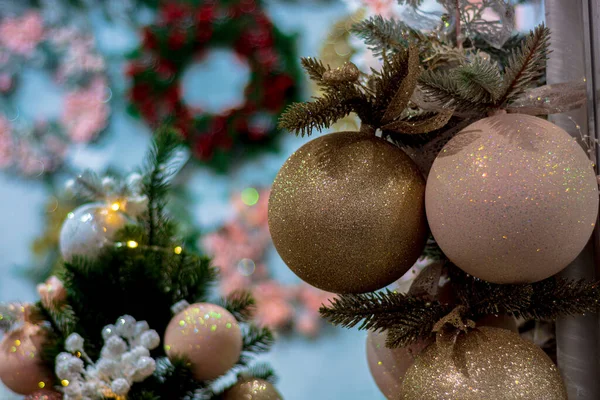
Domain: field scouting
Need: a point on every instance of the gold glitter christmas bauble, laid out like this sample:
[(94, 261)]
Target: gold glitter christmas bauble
[(512, 199), (252, 389), (21, 366), (346, 212), (484, 364), (208, 336)]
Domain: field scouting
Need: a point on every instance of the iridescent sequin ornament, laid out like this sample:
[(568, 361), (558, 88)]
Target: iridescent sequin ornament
[(252, 389), (512, 199), (483, 364), (208, 336), (346, 212)]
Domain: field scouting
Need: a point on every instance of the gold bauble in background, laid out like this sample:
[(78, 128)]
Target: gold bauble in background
[(512, 199), (483, 364), (346, 212), (252, 389)]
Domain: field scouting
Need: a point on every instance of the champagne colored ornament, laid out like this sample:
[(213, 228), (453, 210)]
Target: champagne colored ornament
[(252, 389), (88, 229), (512, 199), (21, 367), (388, 366), (346, 212), (208, 336), (483, 364)]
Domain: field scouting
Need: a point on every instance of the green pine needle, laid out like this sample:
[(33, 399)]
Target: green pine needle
[(384, 310), (384, 35), (240, 304), (526, 64)]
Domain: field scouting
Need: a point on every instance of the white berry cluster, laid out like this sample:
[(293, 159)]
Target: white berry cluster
[(124, 359)]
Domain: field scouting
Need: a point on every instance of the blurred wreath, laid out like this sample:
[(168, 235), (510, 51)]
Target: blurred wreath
[(183, 33)]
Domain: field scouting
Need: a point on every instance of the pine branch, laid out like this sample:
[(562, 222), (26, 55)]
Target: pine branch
[(314, 68), (479, 80), (554, 297), (526, 64), (444, 88), (88, 186), (157, 173), (257, 340), (384, 35), (260, 371), (383, 311), (173, 379), (302, 118), (240, 304), (543, 300)]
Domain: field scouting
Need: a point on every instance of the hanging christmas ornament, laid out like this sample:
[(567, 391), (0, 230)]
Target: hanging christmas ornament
[(346, 212), (512, 199), (202, 332), (388, 366), (88, 229), (252, 389), (21, 367), (485, 363)]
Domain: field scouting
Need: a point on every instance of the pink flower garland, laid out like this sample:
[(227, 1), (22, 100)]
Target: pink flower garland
[(239, 249), (34, 147)]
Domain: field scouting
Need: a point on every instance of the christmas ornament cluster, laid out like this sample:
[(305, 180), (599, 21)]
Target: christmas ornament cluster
[(509, 200)]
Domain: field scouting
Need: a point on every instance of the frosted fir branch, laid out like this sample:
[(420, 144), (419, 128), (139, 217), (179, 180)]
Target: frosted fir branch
[(382, 310), (526, 64), (256, 340), (240, 304), (384, 35)]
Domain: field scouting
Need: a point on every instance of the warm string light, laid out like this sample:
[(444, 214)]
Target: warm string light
[(132, 244)]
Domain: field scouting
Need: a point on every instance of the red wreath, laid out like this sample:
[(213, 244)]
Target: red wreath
[(183, 33)]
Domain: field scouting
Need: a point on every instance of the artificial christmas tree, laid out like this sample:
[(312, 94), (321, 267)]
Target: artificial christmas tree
[(107, 328)]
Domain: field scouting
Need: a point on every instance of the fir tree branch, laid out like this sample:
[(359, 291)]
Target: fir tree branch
[(302, 118), (173, 379), (257, 340), (259, 371), (480, 80), (314, 68), (384, 310), (554, 297), (240, 304), (444, 88), (384, 35), (157, 173), (525, 64)]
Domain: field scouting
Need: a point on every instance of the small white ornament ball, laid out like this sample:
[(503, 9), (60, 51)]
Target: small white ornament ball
[(512, 199), (206, 335), (88, 229)]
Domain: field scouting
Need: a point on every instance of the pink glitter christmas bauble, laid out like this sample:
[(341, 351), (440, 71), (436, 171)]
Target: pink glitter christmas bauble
[(208, 336), (512, 199)]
